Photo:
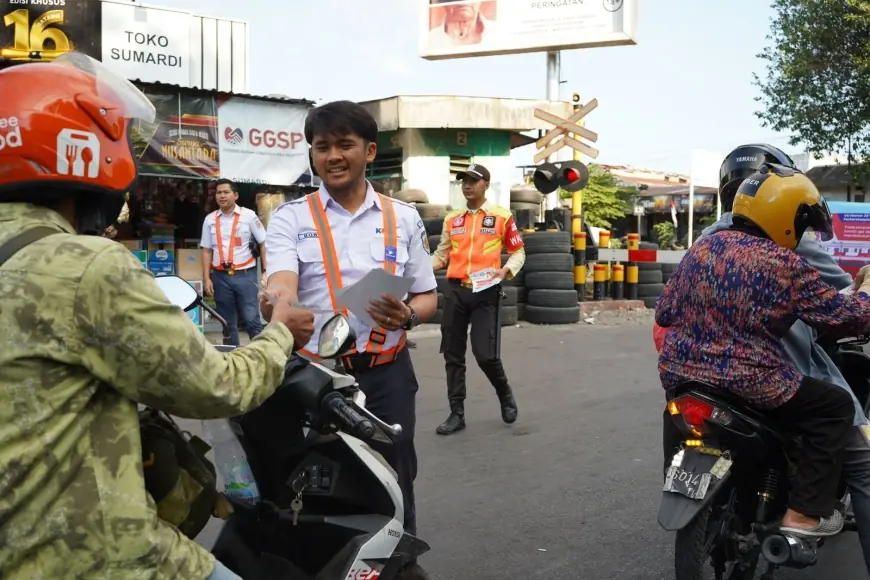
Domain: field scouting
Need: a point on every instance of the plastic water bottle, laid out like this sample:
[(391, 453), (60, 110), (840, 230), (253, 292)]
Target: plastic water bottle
[(231, 462)]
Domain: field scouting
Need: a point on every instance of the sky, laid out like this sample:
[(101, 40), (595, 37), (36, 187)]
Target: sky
[(686, 84)]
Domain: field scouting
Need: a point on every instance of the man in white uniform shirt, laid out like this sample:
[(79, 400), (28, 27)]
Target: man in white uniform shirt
[(332, 238), (229, 268)]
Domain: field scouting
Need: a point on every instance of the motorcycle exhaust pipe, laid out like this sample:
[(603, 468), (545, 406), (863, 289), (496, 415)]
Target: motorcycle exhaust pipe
[(782, 550)]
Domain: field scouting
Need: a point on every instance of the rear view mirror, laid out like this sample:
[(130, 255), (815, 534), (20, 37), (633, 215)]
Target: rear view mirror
[(179, 292), (336, 337)]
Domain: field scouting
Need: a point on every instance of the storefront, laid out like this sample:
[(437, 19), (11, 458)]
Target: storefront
[(198, 137)]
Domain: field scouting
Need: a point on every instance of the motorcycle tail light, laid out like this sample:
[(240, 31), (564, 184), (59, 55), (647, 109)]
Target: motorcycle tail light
[(693, 412)]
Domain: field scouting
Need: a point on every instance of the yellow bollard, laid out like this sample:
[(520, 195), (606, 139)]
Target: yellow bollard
[(617, 282), (599, 280), (631, 276), (580, 265), (633, 241)]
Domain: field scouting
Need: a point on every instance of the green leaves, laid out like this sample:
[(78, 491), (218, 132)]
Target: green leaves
[(604, 200), (817, 81)]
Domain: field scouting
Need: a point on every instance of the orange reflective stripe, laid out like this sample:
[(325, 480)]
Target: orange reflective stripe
[(378, 337), (217, 228), (327, 248)]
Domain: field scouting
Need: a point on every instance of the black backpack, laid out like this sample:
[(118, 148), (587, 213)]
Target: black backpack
[(178, 475)]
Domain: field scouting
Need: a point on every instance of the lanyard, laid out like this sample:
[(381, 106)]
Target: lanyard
[(330, 257), (232, 249)]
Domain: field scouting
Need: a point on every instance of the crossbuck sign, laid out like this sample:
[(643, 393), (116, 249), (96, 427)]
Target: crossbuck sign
[(558, 137)]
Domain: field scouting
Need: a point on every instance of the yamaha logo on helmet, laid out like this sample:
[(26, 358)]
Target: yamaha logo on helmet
[(10, 133), (747, 159)]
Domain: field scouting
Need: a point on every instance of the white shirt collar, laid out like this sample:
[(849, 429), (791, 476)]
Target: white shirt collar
[(236, 209), (372, 198)]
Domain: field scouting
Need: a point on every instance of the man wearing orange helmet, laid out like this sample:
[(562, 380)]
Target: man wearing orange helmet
[(88, 334)]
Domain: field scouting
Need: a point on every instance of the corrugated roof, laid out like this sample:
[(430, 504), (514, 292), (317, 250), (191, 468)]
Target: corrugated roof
[(271, 99)]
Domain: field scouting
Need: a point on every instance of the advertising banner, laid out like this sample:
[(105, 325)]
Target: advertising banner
[(42, 30), (466, 28), (262, 142), (851, 243), (147, 43), (183, 140)]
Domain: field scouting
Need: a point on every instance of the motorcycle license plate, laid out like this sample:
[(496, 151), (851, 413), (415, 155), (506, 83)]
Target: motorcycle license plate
[(692, 474)]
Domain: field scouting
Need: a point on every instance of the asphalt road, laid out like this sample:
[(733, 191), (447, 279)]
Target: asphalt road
[(572, 489)]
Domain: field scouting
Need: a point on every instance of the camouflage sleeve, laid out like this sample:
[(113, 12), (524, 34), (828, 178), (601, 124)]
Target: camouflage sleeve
[(132, 338)]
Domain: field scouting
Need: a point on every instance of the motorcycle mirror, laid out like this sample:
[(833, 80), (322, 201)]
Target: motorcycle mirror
[(179, 292), (336, 337)]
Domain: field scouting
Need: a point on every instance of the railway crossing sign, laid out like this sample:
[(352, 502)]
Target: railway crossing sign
[(558, 138)]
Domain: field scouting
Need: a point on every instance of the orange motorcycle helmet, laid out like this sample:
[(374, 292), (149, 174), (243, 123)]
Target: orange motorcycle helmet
[(66, 132)]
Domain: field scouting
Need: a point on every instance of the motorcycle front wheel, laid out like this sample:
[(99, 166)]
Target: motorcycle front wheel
[(700, 549)]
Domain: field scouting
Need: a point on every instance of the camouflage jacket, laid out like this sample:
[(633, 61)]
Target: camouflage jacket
[(85, 335)]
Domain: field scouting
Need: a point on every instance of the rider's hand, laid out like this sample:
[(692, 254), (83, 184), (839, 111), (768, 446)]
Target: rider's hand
[(861, 278), (299, 320), (208, 287)]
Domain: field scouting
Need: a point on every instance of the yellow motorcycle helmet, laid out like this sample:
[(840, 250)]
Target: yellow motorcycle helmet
[(783, 203)]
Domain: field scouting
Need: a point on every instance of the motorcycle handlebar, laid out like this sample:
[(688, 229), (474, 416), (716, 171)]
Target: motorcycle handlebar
[(358, 425)]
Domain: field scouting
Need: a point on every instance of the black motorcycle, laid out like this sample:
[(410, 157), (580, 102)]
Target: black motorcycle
[(726, 489), (330, 507)]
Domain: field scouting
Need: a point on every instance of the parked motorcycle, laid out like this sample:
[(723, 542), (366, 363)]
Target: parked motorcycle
[(726, 489), (331, 507)]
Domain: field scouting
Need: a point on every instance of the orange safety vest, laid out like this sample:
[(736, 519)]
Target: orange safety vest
[(228, 264), (477, 240), (377, 337)]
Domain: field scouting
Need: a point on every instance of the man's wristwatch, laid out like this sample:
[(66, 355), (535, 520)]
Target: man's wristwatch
[(412, 319)]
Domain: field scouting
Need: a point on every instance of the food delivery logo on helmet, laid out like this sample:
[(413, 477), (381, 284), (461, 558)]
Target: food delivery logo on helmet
[(10, 133)]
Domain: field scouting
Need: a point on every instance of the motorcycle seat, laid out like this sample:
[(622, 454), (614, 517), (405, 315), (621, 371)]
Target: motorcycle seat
[(720, 394)]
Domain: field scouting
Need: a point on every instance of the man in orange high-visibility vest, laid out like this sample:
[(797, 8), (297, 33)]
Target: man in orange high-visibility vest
[(471, 243)]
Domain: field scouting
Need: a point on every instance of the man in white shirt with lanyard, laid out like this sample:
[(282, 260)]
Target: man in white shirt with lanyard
[(332, 238), (229, 269)]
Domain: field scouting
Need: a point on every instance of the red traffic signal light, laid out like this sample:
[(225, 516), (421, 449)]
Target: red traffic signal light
[(573, 176), (569, 175)]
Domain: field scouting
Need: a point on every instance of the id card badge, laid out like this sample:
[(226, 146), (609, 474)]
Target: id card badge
[(391, 254)]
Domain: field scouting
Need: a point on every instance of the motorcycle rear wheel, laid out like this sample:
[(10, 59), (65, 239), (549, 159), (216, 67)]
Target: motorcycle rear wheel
[(692, 555)]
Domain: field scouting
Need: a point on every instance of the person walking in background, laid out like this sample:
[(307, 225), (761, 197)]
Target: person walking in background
[(471, 244), (229, 269)]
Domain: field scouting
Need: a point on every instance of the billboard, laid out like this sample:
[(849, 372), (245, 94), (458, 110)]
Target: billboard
[(148, 44), (465, 28), (41, 30), (262, 142), (851, 244)]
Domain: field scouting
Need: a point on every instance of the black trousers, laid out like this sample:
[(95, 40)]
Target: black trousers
[(391, 392), (461, 308), (821, 414)]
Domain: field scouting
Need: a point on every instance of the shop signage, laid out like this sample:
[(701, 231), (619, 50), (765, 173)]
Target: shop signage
[(42, 30), (262, 142), (147, 43), (183, 140)]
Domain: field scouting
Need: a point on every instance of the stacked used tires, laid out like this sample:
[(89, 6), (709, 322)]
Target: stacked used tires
[(650, 279), (549, 279), (433, 220)]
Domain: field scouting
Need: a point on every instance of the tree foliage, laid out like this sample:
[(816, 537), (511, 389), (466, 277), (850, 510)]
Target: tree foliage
[(604, 199), (817, 82)]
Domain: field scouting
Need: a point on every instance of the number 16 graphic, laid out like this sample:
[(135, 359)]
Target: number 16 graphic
[(29, 39)]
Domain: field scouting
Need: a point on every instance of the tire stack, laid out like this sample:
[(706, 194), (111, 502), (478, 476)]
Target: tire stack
[(514, 302), (526, 197), (650, 279), (549, 279), (433, 220)]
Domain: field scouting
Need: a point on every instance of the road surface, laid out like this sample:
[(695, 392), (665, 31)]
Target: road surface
[(571, 490)]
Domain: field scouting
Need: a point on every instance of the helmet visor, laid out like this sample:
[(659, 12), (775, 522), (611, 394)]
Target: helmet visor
[(820, 220), (111, 87)]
